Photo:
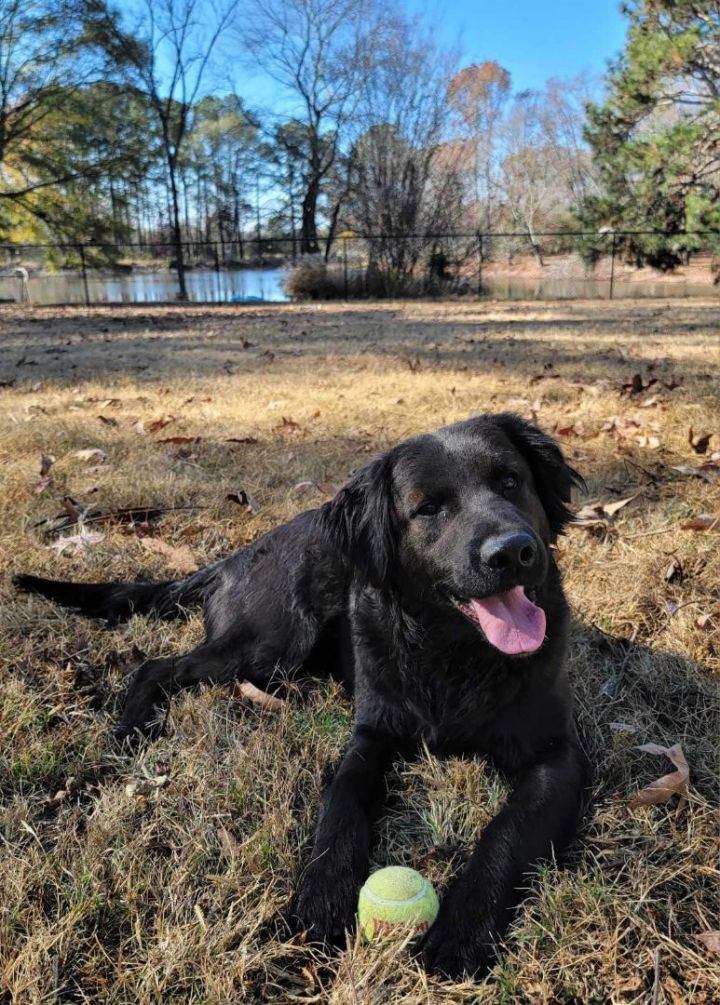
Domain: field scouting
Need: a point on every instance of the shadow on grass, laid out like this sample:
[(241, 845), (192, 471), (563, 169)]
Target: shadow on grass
[(161, 346)]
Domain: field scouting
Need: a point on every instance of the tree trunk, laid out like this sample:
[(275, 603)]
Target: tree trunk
[(308, 231), (332, 229), (177, 233), (536, 248)]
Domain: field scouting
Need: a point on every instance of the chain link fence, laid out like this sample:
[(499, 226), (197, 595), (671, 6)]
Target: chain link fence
[(507, 266)]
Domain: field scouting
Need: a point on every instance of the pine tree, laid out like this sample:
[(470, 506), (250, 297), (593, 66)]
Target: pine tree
[(656, 138)]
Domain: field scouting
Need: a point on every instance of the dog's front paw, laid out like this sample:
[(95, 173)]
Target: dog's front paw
[(325, 906), (458, 946)]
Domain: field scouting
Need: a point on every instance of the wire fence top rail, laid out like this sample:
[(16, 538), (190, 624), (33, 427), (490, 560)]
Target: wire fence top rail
[(358, 236)]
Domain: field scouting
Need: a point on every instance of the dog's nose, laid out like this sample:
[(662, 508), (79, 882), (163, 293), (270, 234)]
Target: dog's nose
[(509, 552)]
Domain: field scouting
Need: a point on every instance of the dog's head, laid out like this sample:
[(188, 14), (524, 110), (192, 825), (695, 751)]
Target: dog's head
[(462, 517)]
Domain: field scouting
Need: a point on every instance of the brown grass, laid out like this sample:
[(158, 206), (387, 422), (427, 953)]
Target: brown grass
[(170, 890)]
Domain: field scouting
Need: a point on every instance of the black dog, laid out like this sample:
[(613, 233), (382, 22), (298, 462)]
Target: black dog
[(428, 585)]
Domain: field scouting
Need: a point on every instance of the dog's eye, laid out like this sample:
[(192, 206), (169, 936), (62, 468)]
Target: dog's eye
[(510, 483), (427, 509)]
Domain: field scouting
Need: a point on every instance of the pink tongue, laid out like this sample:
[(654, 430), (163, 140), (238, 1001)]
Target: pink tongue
[(511, 622)]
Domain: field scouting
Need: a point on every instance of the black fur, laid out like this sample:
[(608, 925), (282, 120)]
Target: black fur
[(369, 587)]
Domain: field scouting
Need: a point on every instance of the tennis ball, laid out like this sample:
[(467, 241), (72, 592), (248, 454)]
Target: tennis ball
[(396, 898)]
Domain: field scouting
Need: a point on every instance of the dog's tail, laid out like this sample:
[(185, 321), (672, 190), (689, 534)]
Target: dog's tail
[(117, 602)]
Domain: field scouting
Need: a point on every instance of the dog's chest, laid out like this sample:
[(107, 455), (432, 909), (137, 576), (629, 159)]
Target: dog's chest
[(449, 706)]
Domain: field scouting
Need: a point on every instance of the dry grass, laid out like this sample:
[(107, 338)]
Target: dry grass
[(112, 895)]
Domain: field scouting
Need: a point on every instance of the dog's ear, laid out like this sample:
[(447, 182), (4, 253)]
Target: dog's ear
[(362, 521), (553, 476)]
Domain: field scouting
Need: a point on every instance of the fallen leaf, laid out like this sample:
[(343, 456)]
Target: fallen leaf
[(544, 376), (243, 498), (706, 622), (650, 403), (241, 439), (675, 783), (303, 487), (92, 454), (649, 442), (139, 427), (75, 510), (635, 386), (43, 483), (180, 559), (593, 514), (702, 522), (612, 508), (706, 472), (62, 794), (160, 423), (146, 786), (46, 462), (83, 539), (287, 423), (108, 420), (674, 572), (711, 940), (328, 488), (699, 443), (623, 427), (181, 439), (244, 689)]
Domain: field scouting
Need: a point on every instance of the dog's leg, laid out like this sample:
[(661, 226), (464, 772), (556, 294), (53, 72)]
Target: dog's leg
[(240, 650), (326, 901), (538, 821), (157, 680)]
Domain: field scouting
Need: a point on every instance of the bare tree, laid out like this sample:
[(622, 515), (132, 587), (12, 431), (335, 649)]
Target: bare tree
[(478, 96), (318, 51), (563, 118), (178, 40), (544, 167), (404, 183)]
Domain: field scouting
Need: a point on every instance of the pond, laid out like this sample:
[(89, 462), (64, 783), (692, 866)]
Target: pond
[(208, 286), (204, 285)]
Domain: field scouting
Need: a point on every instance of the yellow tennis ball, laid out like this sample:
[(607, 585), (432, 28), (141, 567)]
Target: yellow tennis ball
[(395, 899)]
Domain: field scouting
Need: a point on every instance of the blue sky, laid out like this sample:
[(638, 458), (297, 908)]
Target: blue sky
[(533, 39)]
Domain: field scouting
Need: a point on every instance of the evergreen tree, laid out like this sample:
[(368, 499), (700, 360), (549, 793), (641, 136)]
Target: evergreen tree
[(656, 138)]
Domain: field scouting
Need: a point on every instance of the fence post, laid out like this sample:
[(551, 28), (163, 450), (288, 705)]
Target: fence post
[(81, 249), (345, 267), (217, 257), (612, 265), (480, 264)]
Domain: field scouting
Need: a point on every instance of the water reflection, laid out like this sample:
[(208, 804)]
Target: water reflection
[(208, 286), (204, 286)]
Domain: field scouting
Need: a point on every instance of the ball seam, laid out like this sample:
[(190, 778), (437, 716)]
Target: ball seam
[(389, 902)]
